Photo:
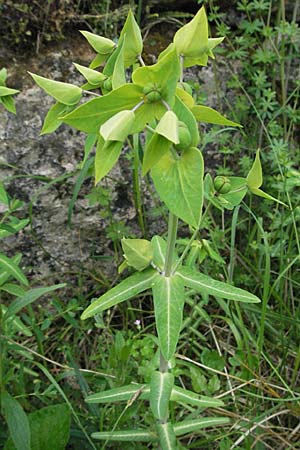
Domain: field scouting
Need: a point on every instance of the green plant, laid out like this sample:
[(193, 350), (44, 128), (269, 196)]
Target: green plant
[(24, 430), (157, 101)]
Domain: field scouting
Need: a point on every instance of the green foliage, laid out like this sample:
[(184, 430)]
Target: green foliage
[(187, 302)]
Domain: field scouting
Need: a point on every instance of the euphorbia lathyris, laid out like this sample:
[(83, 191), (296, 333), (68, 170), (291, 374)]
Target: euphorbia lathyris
[(156, 102)]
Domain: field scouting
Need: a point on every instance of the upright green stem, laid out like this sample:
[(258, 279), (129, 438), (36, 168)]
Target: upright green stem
[(137, 192)]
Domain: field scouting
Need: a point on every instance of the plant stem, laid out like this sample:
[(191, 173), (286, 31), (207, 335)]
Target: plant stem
[(136, 189)]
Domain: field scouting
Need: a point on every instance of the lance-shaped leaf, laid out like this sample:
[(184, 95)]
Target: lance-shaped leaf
[(179, 183), (191, 40), (120, 394), (4, 91), (164, 74), (192, 426), (159, 246), (168, 127), (128, 288), (255, 180), (8, 103), (209, 115), (126, 436), (65, 93), (90, 116), (159, 251), (118, 126), (10, 267), (161, 385), (17, 421), (5, 274), (102, 45), (191, 398), (134, 42), (167, 437), (15, 323), (185, 115), (107, 154), (28, 298), (185, 96), (137, 252), (209, 286), (3, 76), (52, 121), (92, 76), (118, 76), (155, 149), (168, 296)]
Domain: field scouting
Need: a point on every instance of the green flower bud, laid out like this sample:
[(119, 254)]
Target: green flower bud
[(107, 85), (222, 184), (185, 138)]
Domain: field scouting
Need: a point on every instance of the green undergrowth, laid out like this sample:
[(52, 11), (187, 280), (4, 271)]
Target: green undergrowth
[(244, 354)]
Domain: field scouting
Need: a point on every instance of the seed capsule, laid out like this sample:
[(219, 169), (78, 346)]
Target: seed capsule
[(185, 138), (107, 85), (222, 184), (152, 93)]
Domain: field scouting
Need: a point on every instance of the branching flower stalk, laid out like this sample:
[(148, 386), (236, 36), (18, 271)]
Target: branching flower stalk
[(158, 103)]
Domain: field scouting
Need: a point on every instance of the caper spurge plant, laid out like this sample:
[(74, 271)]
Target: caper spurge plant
[(157, 102)]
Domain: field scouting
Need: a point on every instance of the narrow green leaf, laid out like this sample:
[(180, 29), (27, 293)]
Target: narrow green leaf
[(102, 45), (13, 289), (9, 266), (159, 246), (28, 298), (137, 252), (263, 194), (4, 197), (161, 385), (255, 177), (120, 394), (13, 227), (128, 288), (3, 76), (126, 436), (208, 286), (107, 154), (15, 324), (167, 437), (179, 183), (98, 60), (51, 122), (4, 91), (168, 127), (134, 42), (155, 149), (191, 398), (168, 296), (91, 115), (118, 126), (255, 180), (17, 421), (65, 93), (92, 76), (209, 115), (8, 103), (118, 76), (4, 274), (192, 426)]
